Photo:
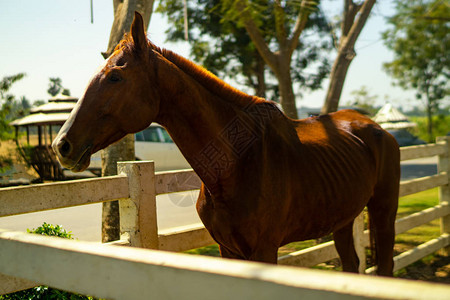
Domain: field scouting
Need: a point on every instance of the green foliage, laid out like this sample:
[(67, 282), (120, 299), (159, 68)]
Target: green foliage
[(45, 292), (55, 87), (6, 164), (419, 38), (10, 108), (421, 47), (51, 230), (441, 126), (221, 44)]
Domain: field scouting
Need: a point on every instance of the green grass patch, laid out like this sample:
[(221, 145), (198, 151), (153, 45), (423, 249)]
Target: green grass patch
[(212, 250), (411, 204), (416, 202)]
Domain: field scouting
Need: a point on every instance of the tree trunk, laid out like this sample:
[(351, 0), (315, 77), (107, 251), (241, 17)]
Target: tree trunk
[(124, 149), (429, 117), (120, 151), (261, 79), (430, 124), (337, 79), (279, 61), (123, 17), (286, 91), (354, 19)]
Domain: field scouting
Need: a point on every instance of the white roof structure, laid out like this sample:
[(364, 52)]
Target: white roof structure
[(391, 118), (56, 111), (41, 119)]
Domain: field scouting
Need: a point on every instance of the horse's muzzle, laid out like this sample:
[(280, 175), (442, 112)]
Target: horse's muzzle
[(62, 147)]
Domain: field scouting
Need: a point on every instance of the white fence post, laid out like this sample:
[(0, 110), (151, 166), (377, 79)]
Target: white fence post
[(444, 190), (359, 241), (138, 213)]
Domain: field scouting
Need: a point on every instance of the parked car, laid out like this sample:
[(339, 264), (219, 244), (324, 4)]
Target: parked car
[(153, 143), (405, 138)]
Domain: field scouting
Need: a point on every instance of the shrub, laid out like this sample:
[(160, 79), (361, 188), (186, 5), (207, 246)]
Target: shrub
[(51, 230), (45, 292)]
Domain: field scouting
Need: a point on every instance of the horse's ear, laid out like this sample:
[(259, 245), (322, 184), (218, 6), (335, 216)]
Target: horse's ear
[(138, 32)]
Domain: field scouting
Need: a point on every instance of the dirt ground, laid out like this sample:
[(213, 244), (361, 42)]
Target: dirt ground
[(19, 169), (435, 270)]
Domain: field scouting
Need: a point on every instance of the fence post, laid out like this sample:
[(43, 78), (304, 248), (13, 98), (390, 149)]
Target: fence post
[(444, 190), (359, 241), (138, 213)]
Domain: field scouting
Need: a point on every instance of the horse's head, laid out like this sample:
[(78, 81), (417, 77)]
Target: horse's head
[(118, 100)]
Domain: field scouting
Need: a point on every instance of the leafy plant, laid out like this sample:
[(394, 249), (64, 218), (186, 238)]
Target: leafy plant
[(52, 230), (45, 292), (441, 127), (6, 164), (418, 36), (8, 105)]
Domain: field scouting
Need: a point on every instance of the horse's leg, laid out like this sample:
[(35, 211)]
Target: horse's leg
[(343, 240), (382, 212), (226, 253), (264, 254)]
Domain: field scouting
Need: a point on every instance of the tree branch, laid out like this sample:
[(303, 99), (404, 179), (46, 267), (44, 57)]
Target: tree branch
[(280, 29), (359, 23), (255, 35), (300, 25)]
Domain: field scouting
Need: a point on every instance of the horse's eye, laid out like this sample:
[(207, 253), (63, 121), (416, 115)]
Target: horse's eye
[(114, 77)]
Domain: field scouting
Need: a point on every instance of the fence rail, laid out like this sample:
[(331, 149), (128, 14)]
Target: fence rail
[(138, 185), (132, 273)]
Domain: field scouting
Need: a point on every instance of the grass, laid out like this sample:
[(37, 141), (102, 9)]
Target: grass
[(405, 241), (418, 235)]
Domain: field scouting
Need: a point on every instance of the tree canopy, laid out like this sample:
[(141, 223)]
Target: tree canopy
[(55, 87), (10, 107), (221, 42), (419, 37)]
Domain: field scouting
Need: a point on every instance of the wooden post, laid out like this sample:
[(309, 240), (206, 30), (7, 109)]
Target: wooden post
[(138, 213), (444, 190), (359, 242)]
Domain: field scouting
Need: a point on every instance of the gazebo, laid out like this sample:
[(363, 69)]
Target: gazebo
[(391, 118), (40, 126)]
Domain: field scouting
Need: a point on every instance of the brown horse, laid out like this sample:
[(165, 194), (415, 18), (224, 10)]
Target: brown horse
[(267, 180)]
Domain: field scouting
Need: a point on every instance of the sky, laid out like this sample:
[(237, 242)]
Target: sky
[(54, 38)]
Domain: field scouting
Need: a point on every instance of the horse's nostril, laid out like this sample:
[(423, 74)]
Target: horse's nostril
[(64, 147)]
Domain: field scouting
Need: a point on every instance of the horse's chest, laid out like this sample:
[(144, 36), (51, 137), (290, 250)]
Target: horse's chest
[(229, 225)]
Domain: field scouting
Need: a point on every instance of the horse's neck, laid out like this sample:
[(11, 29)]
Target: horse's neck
[(198, 122)]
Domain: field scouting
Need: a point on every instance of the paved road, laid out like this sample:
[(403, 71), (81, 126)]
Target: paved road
[(418, 168), (173, 210)]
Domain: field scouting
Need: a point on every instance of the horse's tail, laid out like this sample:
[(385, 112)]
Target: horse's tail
[(382, 206), (372, 244)]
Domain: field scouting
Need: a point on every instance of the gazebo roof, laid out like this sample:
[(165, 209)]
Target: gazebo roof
[(391, 118), (42, 119), (56, 111)]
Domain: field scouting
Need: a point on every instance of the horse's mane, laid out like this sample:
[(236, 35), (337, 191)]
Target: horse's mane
[(207, 79)]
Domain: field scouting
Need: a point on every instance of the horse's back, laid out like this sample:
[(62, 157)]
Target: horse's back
[(330, 130), (345, 157)]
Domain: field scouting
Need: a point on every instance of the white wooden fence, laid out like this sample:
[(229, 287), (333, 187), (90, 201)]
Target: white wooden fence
[(136, 187)]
